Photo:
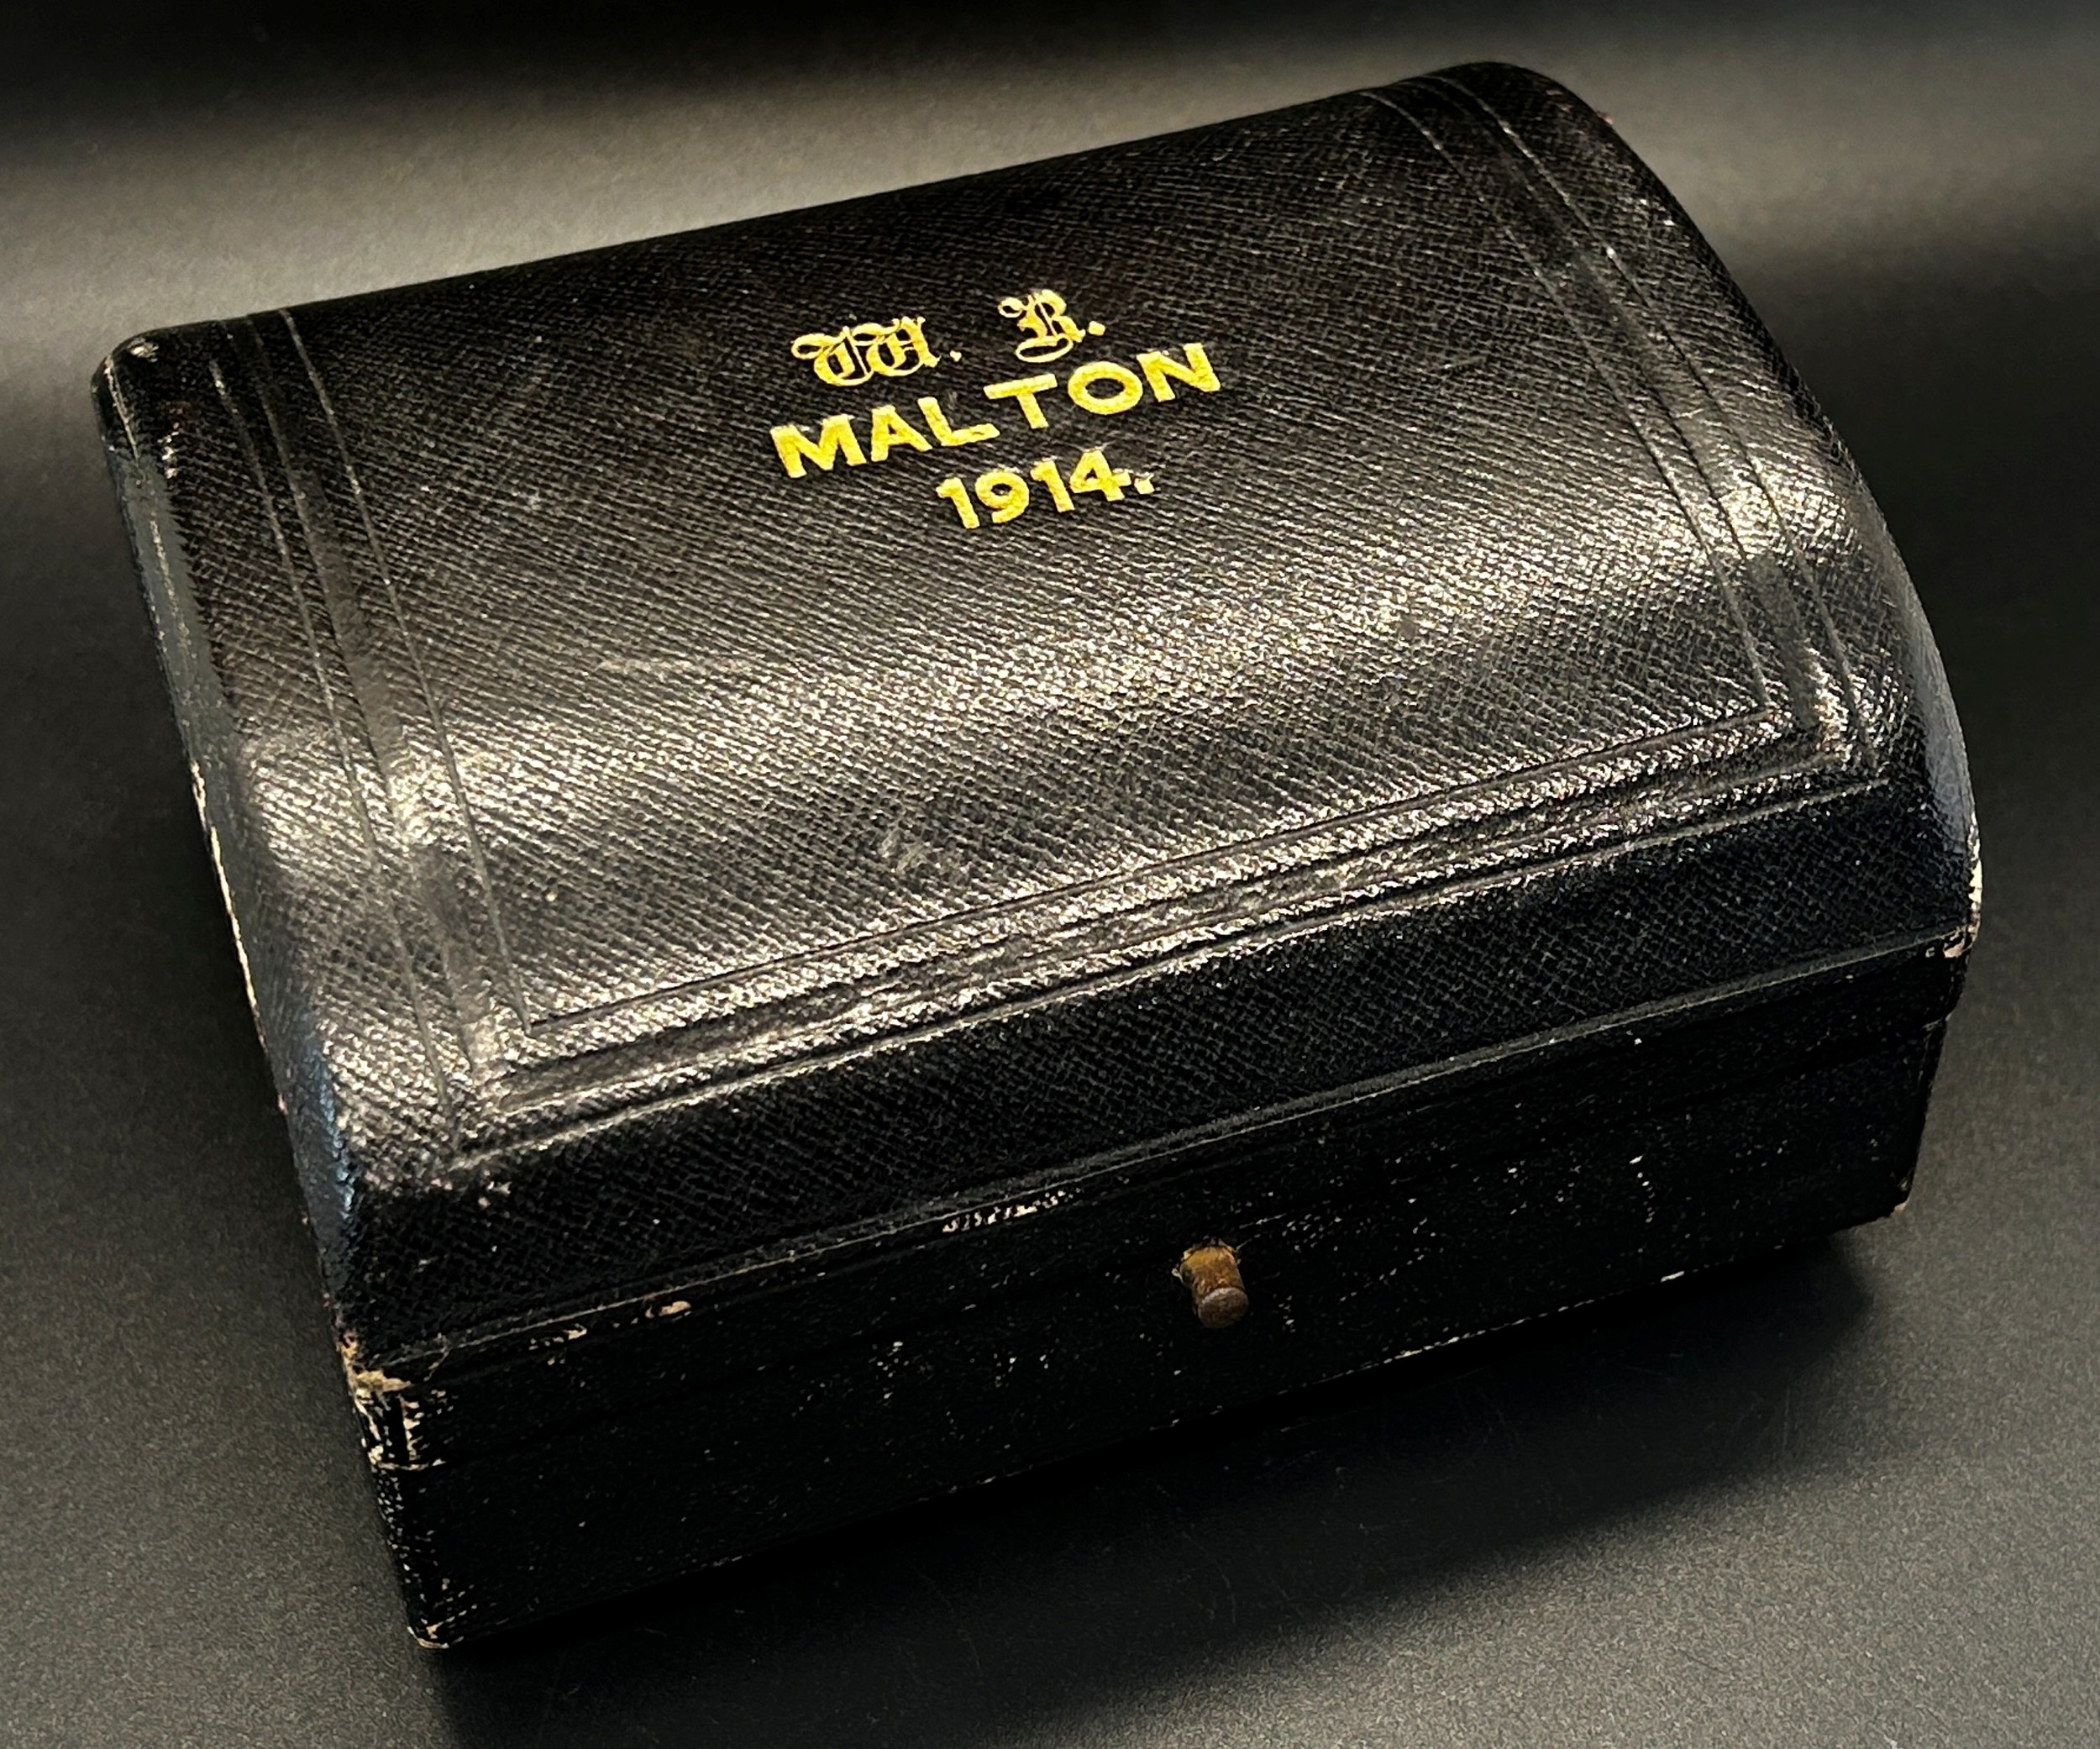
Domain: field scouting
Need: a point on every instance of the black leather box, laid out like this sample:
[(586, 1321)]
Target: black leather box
[(811, 808)]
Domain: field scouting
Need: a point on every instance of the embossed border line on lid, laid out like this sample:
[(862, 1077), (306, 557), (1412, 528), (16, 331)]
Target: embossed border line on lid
[(1804, 738)]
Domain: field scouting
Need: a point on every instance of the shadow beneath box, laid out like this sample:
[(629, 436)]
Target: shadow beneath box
[(1111, 1584)]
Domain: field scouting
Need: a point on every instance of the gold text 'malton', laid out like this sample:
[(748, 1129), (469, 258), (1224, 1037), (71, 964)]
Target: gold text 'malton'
[(1102, 387)]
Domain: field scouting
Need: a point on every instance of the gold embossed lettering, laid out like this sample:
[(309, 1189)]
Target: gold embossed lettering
[(832, 357), (1003, 492), (1006, 494), (897, 350), (1196, 371), (834, 437), (887, 428), (1046, 470), (1091, 473), (1105, 387), (949, 437), (1024, 389), (866, 349), (1051, 332), (861, 352), (951, 489)]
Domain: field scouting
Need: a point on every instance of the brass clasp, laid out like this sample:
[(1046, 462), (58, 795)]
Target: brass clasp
[(1212, 1273)]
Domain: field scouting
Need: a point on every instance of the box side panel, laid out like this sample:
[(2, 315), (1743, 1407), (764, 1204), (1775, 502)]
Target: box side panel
[(274, 760), (211, 746), (1791, 454), (1027, 1377), (585, 1364)]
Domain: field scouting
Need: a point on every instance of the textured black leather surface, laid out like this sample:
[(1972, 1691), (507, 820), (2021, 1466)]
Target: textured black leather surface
[(648, 864), (911, 1364)]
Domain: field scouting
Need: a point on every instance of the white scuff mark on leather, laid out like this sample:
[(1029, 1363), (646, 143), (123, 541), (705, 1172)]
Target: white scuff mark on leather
[(1960, 944), (435, 1633), (411, 1457), (375, 1381), (899, 852), (674, 1309), (373, 1392), (976, 1218)]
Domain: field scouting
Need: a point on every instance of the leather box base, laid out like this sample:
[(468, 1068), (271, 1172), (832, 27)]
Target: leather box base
[(1408, 1218)]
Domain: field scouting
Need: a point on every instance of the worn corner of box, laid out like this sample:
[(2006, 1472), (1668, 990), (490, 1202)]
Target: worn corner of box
[(114, 386), (390, 1410), (439, 1625)]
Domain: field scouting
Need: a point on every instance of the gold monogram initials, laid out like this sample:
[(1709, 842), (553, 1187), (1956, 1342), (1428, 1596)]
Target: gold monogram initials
[(865, 349), (1051, 332)]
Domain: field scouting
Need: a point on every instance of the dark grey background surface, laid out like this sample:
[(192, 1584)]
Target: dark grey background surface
[(1845, 1497)]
